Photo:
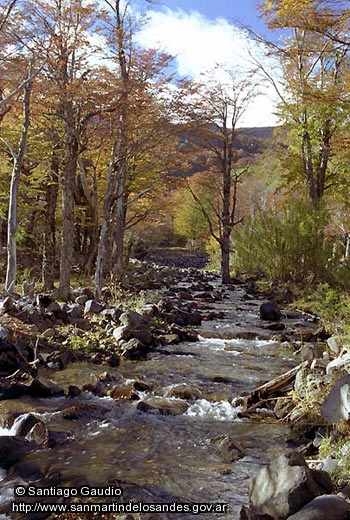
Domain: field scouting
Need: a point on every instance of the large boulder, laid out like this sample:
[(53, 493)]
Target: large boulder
[(309, 383), (270, 311), (93, 307), (326, 507), (283, 487), (337, 405), (134, 320), (339, 367)]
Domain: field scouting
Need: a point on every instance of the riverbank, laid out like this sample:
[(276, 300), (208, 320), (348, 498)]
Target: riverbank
[(149, 391)]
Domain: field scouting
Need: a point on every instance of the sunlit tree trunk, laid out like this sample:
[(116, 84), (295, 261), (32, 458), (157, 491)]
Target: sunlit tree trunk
[(117, 172), (12, 214)]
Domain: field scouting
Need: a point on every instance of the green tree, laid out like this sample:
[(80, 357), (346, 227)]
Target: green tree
[(313, 87)]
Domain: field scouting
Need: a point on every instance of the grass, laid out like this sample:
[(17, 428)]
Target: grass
[(331, 305), (338, 449)]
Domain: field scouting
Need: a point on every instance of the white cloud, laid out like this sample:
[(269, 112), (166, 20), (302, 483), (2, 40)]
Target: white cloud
[(199, 45)]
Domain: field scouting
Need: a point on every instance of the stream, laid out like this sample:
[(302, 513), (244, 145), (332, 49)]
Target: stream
[(166, 458)]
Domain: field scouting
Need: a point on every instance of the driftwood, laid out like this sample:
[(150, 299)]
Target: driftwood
[(272, 388)]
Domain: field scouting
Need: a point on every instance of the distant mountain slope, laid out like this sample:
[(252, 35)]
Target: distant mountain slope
[(249, 142)]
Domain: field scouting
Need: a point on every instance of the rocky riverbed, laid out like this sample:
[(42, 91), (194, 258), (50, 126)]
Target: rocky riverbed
[(157, 400)]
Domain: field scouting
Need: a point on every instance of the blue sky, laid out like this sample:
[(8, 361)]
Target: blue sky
[(208, 43), (235, 11)]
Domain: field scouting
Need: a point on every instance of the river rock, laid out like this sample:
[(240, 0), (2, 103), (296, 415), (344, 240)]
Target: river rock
[(275, 326), (113, 360), (163, 406), (134, 349), (39, 434), (183, 333), (122, 392), (10, 360), (64, 357), (31, 314), (283, 487), (143, 335), (85, 412), (339, 367), (112, 314), (186, 392), (41, 387), (142, 386), (149, 310), (169, 339), (59, 315), (53, 307), (185, 318), (12, 449), (326, 507), (75, 313), (11, 389), (27, 424), (82, 299), (337, 405), (183, 295), (309, 384), (335, 344), (4, 333), (122, 333), (73, 391), (88, 292), (165, 305), (93, 307), (270, 311), (228, 449), (134, 320)]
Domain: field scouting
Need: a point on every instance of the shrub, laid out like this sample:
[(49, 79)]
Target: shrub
[(286, 246)]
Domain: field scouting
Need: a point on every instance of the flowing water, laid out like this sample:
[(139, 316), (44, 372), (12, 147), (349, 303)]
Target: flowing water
[(158, 458)]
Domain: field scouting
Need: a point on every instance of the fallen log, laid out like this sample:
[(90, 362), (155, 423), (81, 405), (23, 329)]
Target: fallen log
[(273, 387)]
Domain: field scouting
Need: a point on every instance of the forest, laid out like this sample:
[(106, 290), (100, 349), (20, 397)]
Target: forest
[(175, 286), (107, 152)]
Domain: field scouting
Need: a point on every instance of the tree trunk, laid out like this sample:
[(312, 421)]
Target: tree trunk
[(12, 214), (91, 217), (225, 260), (103, 244), (227, 202), (51, 194), (120, 216), (117, 172), (68, 186)]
